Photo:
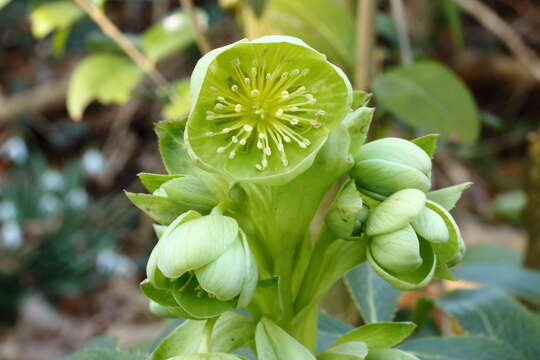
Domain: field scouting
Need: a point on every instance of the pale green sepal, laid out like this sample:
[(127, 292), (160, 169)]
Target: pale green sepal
[(231, 332), (353, 350), (379, 335), (198, 306), (155, 276), (224, 276), (357, 122), (448, 197), (185, 339), (192, 192), (390, 354), (428, 143), (159, 230), (397, 251), (251, 275), (343, 213), (196, 243), (385, 177), (273, 343), (396, 212), (452, 250), (157, 295), (208, 356), (429, 225), (396, 150), (442, 271), (161, 311), (418, 279)]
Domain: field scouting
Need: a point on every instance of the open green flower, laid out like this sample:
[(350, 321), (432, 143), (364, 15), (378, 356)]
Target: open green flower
[(262, 109), (205, 263), (388, 165)]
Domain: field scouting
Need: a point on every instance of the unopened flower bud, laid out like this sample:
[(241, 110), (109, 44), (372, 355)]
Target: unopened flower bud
[(388, 165), (343, 213), (397, 251)]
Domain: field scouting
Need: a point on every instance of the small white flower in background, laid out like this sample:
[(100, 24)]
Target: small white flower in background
[(111, 263), (93, 162), (173, 22), (12, 236), (77, 198), (8, 210), (52, 180), (15, 149), (50, 203)]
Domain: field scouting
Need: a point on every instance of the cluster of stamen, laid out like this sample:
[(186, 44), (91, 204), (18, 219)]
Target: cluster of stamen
[(264, 109), (199, 291)]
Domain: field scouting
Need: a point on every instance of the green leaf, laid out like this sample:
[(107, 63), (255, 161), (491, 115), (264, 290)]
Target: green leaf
[(379, 335), (515, 280), (231, 332), (104, 77), (375, 298), (160, 209), (390, 354), (494, 254), (152, 182), (357, 122), (360, 99), (428, 143), (448, 197), (273, 343), (4, 3), (52, 16), (172, 148), (429, 96), (170, 35), (491, 313), (329, 330), (459, 348), (178, 109), (185, 339), (326, 25)]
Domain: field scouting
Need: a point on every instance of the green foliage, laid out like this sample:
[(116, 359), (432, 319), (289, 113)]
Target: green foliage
[(55, 15), (375, 298), (326, 25), (379, 335), (93, 80), (415, 94), (185, 339), (171, 34), (491, 313), (4, 3)]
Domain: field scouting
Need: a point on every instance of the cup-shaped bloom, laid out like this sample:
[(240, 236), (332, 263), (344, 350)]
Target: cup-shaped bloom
[(385, 166), (206, 264), (262, 109)]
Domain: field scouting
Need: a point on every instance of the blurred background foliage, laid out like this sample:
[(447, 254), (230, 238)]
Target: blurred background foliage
[(80, 94)]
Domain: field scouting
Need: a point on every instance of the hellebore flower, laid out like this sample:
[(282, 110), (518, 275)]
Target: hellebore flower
[(411, 239), (391, 164), (203, 265), (262, 109)]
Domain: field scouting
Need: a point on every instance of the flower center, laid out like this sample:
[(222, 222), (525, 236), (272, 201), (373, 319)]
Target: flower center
[(264, 109)]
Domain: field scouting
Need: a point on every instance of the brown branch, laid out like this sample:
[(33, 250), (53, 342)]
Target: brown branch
[(116, 35), (365, 40), (202, 42), (494, 23), (34, 100)]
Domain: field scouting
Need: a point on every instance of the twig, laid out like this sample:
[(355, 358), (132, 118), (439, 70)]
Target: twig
[(493, 22), (400, 19), (202, 42), (34, 100), (365, 39), (116, 35)]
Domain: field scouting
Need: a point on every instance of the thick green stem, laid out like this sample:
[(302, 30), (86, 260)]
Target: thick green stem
[(206, 343), (311, 279), (284, 271)]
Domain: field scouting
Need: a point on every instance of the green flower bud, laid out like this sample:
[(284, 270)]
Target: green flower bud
[(343, 213), (206, 263), (388, 165), (396, 212), (353, 350), (397, 251), (262, 109), (429, 225)]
